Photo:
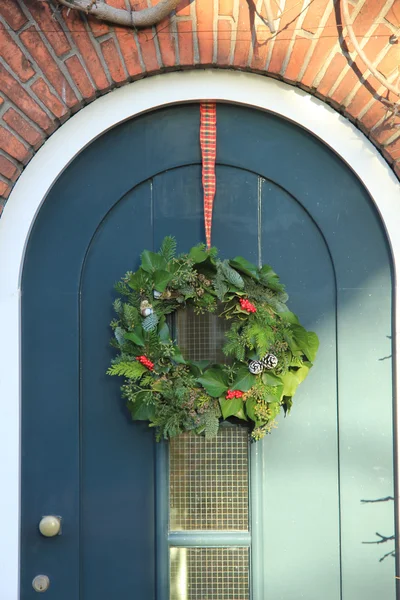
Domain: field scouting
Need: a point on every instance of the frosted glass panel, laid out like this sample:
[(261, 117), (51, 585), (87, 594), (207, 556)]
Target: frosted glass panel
[(209, 573), (209, 481)]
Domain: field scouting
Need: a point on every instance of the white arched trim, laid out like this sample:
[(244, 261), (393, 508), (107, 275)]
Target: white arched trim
[(92, 121)]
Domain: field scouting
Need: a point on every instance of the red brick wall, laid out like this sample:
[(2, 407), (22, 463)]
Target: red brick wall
[(53, 62)]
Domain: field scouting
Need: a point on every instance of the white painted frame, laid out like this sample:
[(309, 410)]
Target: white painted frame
[(66, 143)]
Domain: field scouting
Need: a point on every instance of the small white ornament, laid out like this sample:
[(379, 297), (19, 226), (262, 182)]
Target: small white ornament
[(157, 294), (146, 308)]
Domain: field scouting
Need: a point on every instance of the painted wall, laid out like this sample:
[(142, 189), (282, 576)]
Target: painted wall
[(54, 61)]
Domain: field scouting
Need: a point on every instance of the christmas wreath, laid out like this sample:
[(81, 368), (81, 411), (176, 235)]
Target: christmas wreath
[(270, 352)]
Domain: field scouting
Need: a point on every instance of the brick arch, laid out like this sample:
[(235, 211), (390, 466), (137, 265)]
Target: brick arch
[(52, 63)]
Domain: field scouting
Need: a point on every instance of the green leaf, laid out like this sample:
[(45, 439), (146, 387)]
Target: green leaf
[(275, 410), (201, 364), (302, 373), (163, 332), (152, 262), (290, 383), (289, 317), (244, 266), (161, 279), (306, 340), (120, 335), (275, 395), (270, 279), (229, 408), (241, 414), (135, 336), (131, 370), (292, 379), (277, 305), (198, 254), (244, 380), (250, 404), (214, 381), (177, 357), (271, 379), (140, 409), (150, 323), (168, 248), (137, 281)]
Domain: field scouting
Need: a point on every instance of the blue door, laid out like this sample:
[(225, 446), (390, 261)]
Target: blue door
[(319, 482)]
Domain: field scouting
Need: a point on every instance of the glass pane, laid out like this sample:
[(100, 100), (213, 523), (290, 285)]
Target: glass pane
[(209, 481), (201, 337), (209, 574)]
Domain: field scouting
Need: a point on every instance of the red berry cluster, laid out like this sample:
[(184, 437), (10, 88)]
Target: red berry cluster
[(247, 305), (145, 362), (233, 394)]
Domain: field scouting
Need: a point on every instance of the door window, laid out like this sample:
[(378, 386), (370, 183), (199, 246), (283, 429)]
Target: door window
[(208, 502)]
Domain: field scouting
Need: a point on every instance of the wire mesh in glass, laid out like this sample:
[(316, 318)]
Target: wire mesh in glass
[(209, 574), (209, 481), (201, 337)]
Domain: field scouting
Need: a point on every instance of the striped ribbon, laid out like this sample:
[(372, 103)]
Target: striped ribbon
[(208, 144)]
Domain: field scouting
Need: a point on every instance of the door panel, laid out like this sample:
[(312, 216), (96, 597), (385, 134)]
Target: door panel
[(283, 198), (306, 516), (117, 485)]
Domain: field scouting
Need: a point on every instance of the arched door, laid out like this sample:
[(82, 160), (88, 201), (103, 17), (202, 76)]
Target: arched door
[(282, 198)]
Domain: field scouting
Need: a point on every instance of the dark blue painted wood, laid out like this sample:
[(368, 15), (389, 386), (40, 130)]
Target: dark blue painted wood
[(117, 455), (283, 197)]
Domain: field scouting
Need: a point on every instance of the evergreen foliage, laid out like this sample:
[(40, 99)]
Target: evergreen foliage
[(176, 395)]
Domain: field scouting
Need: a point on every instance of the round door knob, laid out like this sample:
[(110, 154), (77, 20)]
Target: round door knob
[(41, 583), (50, 526)]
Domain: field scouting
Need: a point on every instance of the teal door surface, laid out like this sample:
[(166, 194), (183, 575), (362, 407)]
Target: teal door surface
[(323, 476)]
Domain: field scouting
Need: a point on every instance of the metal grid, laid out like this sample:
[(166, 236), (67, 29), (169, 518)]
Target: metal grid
[(209, 574), (201, 337), (209, 481)]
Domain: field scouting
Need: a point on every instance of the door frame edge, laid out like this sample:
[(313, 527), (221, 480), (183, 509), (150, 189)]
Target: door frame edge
[(69, 140)]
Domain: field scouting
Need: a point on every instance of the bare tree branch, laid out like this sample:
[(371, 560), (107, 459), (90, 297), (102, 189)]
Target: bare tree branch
[(141, 18)]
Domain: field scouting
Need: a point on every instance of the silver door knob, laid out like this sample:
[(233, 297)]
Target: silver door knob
[(50, 526)]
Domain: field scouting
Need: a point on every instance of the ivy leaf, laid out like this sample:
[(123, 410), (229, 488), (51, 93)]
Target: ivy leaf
[(275, 396), (241, 414), (244, 380), (290, 383), (270, 279), (292, 379), (137, 281), (177, 357), (214, 381), (163, 332), (152, 262), (244, 266), (135, 336), (306, 340), (201, 364), (230, 408), (140, 409), (277, 305), (302, 372), (271, 379), (289, 317), (161, 279), (198, 255), (250, 404)]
